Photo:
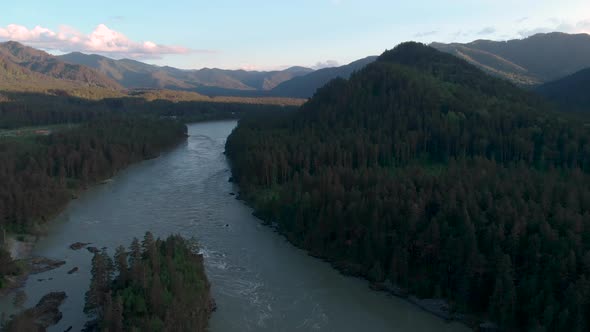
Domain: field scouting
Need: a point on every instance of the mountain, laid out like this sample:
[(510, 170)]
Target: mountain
[(32, 63), (429, 177), (531, 61), (294, 82), (128, 73), (134, 74), (305, 86), (571, 93)]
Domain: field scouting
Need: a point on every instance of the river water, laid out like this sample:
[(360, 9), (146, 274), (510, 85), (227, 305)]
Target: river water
[(259, 281)]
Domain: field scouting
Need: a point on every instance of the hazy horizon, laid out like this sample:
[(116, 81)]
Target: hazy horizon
[(271, 36)]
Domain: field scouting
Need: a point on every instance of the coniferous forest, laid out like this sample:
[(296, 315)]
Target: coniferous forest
[(39, 174), (422, 171), (155, 285)]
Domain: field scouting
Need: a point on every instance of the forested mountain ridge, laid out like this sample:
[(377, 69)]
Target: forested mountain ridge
[(424, 172), (43, 63), (134, 74), (531, 61), (571, 93), (306, 85), (294, 82)]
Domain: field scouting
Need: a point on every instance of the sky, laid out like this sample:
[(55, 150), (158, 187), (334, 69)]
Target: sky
[(274, 34)]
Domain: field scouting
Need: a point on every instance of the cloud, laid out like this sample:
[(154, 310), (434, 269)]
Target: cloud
[(462, 33), (529, 32), (425, 34), (102, 40), (560, 26), (487, 31), (326, 64)]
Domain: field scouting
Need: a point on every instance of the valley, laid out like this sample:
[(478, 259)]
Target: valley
[(439, 186), (259, 281)]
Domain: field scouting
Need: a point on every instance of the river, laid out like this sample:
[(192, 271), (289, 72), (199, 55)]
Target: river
[(259, 281)]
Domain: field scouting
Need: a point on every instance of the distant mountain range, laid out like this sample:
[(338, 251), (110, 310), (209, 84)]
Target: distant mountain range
[(133, 74), (28, 69), (294, 82), (531, 61), (305, 86)]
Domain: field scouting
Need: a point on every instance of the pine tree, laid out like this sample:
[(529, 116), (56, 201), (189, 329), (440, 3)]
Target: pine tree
[(117, 315), (102, 270), (121, 264), (503, 300)]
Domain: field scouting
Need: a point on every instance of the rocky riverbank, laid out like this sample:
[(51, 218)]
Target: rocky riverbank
[(31, 266), (45, 314)]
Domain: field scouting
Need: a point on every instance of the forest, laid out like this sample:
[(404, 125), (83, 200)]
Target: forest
[(52, 146), (34, 109), (40, 174), (155, 285), (424, 172)]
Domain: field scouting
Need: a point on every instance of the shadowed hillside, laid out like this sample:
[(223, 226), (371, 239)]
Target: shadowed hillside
[(306, 86), (534, 60), (571, 93), (429, 177)]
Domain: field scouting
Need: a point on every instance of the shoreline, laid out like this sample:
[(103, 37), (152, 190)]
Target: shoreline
[(436, 307), (21, 251)]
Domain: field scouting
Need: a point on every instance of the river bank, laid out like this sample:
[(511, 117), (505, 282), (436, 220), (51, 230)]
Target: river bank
[(21, 246), (435, 306), (261, 283)]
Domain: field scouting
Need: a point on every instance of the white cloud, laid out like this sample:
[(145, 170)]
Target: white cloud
[(326, 64), (102, 40), (560, 26)]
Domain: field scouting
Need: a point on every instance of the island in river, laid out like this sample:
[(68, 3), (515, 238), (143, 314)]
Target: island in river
[(260, 282), (158, 285)]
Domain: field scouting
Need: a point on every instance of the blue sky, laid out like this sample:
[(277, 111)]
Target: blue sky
[(269, 34)]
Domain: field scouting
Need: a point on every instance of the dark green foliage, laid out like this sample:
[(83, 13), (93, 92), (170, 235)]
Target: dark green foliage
[(571, 94), (29, 109), (38, 174), (162, 287), (424, 171), (7, 266), (102, 276)]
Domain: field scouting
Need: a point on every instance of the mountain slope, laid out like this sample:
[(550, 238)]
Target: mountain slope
[(135, 74), (42, 63), (429, 177), (306, 86), (530, 61), (571, 93)]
